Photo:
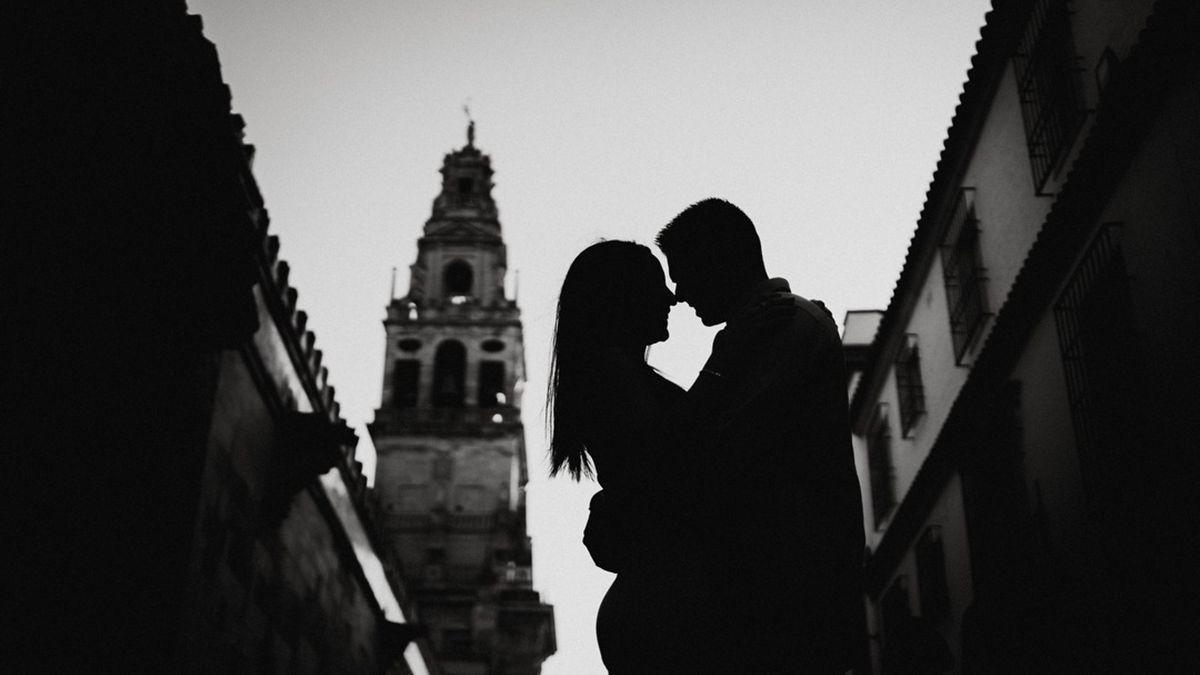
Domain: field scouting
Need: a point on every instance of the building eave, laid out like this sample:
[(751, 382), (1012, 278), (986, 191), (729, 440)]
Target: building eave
[(999, 34), (1166, 50)]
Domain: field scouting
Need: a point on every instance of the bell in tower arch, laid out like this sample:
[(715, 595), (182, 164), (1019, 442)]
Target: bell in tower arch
[(457, 279)]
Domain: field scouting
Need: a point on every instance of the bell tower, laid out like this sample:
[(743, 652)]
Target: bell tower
[(451, 468)]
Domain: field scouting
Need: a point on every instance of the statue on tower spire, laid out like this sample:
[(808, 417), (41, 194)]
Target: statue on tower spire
[(470, 126)]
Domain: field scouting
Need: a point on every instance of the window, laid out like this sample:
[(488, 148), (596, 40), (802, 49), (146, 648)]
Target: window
[(1100, 360), (465, 185), (1048, 85), (909, 387), (994, 488), (491, 383), (895, 610), (931, 575), (457, 279), (449, 366), (879, 461), (405, 378), (963, 274)]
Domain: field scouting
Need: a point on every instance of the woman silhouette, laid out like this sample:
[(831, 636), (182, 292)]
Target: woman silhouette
[(607, 408)]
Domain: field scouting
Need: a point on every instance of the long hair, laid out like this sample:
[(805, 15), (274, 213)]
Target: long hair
[(593, 309)]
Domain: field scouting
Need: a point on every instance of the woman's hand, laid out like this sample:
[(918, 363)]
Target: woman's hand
[(734, 343)]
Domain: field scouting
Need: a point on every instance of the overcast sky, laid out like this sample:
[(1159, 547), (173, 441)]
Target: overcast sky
[(822, 120)]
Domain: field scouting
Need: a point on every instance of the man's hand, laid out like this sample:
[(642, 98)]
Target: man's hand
[(734, 343), (825, 309)]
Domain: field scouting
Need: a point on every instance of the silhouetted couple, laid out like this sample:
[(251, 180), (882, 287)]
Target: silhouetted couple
[(730, 512)]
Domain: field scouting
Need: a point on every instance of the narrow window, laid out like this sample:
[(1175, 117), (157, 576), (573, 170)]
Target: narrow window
[(963, 274), (1101, 362), (931, 575), (491, 383), (449, 367), (895, 609), (909, 386), (457, 279), (993, 485), (405, 380), (1048, 83), (879, 460)]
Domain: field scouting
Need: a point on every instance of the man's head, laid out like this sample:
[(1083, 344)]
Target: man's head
[(714, 257)]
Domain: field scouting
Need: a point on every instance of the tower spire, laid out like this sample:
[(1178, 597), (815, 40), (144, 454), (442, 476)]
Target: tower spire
[(451, 465)]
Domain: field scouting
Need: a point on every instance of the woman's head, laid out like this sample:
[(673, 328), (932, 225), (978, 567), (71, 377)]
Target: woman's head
[(614, 296)]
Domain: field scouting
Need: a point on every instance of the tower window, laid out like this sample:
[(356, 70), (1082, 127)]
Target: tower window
[(491, 383), (465, 185), (405, 379), (449, 367), (457, 278)]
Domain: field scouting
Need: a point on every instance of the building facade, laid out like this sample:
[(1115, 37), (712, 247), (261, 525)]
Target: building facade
[(451, 468), (189, 499), (1025, 416), (285, 573)]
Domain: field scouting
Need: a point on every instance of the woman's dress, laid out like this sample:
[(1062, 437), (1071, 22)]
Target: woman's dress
[(658, 615)]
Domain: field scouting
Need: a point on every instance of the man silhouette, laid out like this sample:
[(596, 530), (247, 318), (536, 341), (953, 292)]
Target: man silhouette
[(784, 502)]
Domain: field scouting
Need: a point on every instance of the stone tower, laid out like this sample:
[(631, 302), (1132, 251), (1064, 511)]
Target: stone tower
[(451, 471)]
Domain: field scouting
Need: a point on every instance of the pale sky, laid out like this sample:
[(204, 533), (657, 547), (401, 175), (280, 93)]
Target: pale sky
[(822, 120)]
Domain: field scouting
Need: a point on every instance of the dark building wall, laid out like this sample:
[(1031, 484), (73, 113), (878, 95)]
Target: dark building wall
[(148, 445), (286, 596)]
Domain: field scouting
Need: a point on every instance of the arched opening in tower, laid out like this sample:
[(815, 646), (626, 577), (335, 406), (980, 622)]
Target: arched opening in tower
[(449, 370), (457, 279)]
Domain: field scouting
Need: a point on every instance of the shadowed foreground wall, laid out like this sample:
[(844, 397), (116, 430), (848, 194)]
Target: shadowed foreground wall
[(180, 490)]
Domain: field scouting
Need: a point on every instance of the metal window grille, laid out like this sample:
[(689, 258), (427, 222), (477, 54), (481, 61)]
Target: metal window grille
[(931, 574), (963, 272), (1048, 84), (1096, 340), (879, 460), (909, 386)]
